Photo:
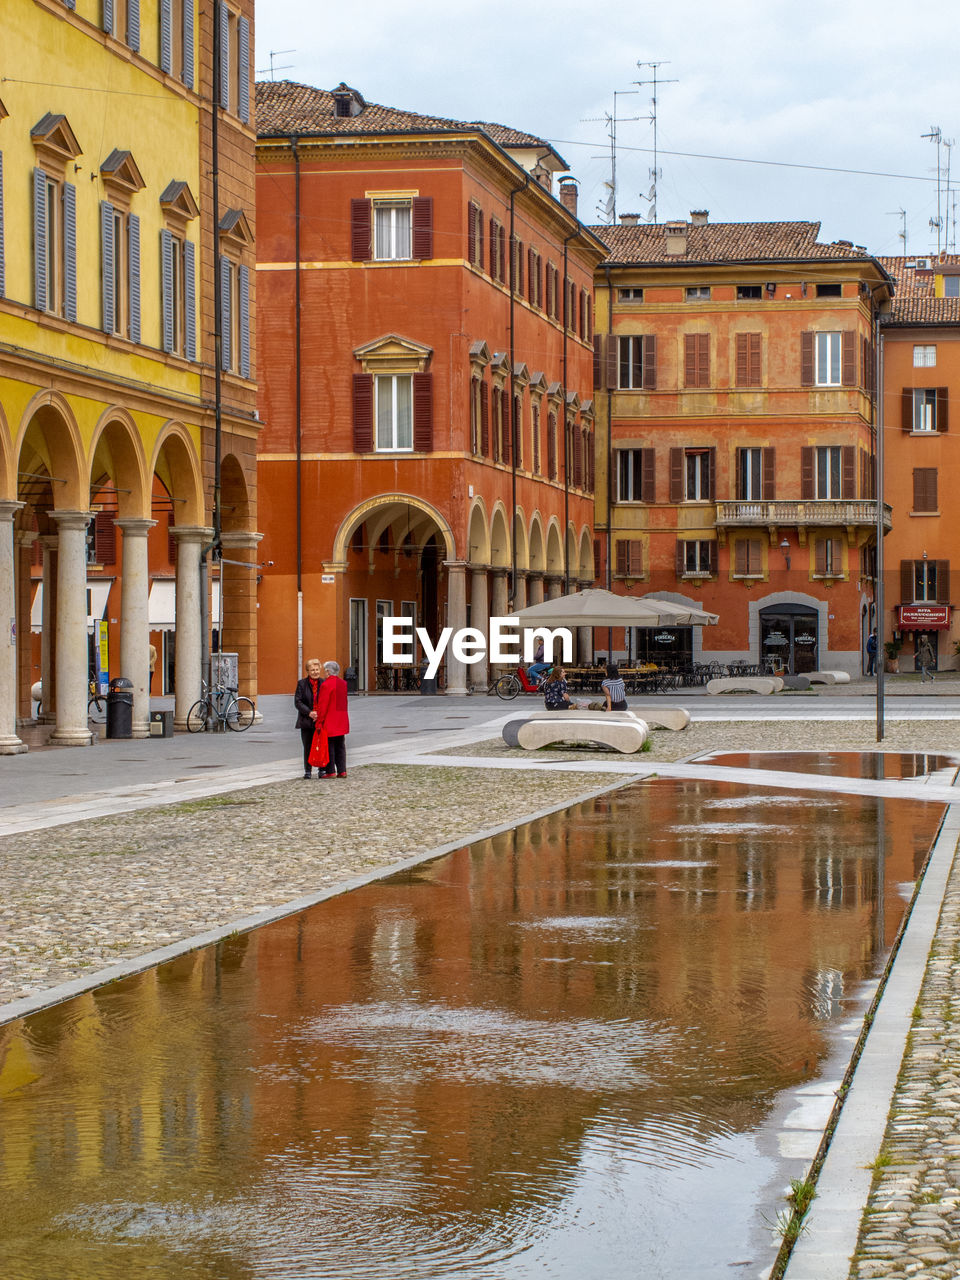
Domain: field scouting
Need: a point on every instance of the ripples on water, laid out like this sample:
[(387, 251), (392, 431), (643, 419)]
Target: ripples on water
[(553, 1054)]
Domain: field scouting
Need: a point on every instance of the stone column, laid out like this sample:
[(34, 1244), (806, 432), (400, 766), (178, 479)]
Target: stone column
[(535, 589), (72, 666), (188, 646), (23, 561), (554, 588), (10, 744), (239, 586), (520, 592), (456, 618), (48, 627), (479, 618), (498, 609), (585, 645), (135, 618)]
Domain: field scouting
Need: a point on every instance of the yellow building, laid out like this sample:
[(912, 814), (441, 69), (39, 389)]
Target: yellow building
[(107, 343)]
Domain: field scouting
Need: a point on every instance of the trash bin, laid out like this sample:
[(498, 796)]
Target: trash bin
[(120, 708), (428, 684), (350, 676)]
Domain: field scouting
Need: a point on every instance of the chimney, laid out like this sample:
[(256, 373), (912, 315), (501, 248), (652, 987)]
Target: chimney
[(569, 194), (698, 217), (675, 234), (630, 219)]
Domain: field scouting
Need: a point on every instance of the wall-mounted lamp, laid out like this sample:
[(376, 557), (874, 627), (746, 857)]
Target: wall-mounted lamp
[(785, 548), (924, 555)]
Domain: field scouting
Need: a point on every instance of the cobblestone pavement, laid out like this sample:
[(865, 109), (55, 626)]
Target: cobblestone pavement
[(911, 1227)]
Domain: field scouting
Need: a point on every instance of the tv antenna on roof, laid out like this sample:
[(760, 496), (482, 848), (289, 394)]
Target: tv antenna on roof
[(655, 173), (902, 233), (608, 209), (276, 53), (936, 135)]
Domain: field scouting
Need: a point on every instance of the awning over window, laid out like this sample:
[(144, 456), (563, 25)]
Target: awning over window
[(924, 617), (163, 605), (98, 593)]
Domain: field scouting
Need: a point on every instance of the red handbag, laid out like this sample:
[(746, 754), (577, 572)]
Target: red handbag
[(319, 756)]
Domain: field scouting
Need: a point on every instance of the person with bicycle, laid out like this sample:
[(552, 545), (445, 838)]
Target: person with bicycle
[(305, 700), (537, 667)]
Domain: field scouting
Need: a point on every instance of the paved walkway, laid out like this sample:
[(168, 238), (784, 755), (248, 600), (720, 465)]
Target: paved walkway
[(116, 858)]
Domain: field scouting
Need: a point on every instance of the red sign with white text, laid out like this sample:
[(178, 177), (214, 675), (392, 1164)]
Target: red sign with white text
[(924, 617)]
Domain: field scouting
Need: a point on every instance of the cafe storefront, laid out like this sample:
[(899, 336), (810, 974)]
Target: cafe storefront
[(670, 647), (789, 638)]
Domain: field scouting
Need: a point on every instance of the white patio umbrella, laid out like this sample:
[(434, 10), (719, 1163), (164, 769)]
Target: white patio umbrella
[(596, 608)]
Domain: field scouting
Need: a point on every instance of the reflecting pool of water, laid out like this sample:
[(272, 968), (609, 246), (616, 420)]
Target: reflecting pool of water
[(842, 764), (555, 1053)]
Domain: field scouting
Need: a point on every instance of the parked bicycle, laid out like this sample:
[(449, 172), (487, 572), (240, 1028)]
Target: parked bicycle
[(96, 701), (223, 707)]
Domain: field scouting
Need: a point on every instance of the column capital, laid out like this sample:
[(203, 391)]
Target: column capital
[(191, 533), (134, 526), (9, 508), (72, 519), (25, 537), (240, 538), (456, 566), (497, 571), (49, 541)]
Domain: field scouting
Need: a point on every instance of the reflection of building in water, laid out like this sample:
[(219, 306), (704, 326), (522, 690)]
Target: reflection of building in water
[(461, 1029)]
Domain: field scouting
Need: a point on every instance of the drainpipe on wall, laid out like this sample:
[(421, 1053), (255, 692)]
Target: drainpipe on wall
[(878, 423), (608, 577), (513, 417), (299, 421), (563, 408)]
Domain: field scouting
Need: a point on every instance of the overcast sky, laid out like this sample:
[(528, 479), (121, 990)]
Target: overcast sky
[(847, 84)]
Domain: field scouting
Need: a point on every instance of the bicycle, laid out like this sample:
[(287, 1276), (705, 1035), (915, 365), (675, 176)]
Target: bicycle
[(224, 706), (509, 686), (96, 704)]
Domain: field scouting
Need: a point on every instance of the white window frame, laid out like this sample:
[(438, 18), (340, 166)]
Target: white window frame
[(828, 349), (925, 355), (696, 550), (951, 286), (697, 293), (696, 465), (924, 410), (750, 464), (53, 204), (391, 241), (829, 472), (386, 415), (925, 581), (629, 475), (632, 345)]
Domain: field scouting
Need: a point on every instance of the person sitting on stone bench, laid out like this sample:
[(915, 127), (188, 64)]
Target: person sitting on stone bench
[(555, 696), (614, 690)]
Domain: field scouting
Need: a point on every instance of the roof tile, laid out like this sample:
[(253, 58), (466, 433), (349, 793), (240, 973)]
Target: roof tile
[(725, 242)]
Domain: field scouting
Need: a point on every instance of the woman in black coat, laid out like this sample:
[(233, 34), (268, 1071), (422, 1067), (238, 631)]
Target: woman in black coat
[(305, 700)]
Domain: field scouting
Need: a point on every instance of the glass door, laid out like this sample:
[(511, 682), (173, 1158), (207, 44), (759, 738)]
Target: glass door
[(358, 641)]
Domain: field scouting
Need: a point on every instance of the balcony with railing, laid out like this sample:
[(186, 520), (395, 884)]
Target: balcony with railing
[(850, 512)]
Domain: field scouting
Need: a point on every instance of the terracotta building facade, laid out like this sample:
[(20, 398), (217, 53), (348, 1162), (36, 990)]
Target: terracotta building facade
[(735, 404), (921, 383), (425, 335)]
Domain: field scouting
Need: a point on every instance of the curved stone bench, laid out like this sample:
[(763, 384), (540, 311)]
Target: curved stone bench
[(614, 731), (796, 682), (675, 718), (745, 684), (828, 677)]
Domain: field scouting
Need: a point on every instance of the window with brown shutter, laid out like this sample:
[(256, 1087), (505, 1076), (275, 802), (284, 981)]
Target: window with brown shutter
[(502, 254), (943, 581), (676, 475), (848, 482), (807, 472), (696, 359), (748, 359), (848, 359), (484, 419), (363, 412), (472, 233), (535, 426), (807, 358), (474, 415), (422, 224), (104, 538), (942, 397), (361, 230), (906, 581), (748, 558), (423, 412), (827, 558), (769, 487), (925, 488), (596, 560), (577, 456), (629, 558), (552, 446)]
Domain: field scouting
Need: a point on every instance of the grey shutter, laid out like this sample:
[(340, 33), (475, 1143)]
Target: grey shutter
[(70, 252), (166, 35), (133, 25), (70, 4), (3, 281), (223, 15), (39, 239), (224, 313), (133, 272), (243, 70), (243, 277), (166, 288), (187, 75), (108, 281), (108, 24), (190, 298)]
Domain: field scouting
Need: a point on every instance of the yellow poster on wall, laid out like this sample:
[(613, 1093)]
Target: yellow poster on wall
[(103, 656)]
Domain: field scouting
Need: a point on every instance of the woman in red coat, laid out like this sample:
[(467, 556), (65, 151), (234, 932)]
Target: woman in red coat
[(333, 719)]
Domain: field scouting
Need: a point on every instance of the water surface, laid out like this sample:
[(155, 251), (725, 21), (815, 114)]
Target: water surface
[(555, 1053)]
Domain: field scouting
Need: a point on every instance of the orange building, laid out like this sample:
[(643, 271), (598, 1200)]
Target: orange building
[(736, 367), (425, 339), (921, 372)]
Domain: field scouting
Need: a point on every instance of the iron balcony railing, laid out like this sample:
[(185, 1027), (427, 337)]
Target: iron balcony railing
[(813, 511)]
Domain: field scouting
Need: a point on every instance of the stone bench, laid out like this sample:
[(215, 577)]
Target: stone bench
[(828, 677), (675, 718), (745, 684), (796, 682), (611, 730)]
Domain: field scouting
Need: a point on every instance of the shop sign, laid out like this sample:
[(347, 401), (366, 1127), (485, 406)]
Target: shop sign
[(924, 617), (664, 637), (776, 638)]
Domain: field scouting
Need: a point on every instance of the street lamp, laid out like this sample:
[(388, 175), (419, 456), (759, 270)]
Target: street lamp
[(785, 548)]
